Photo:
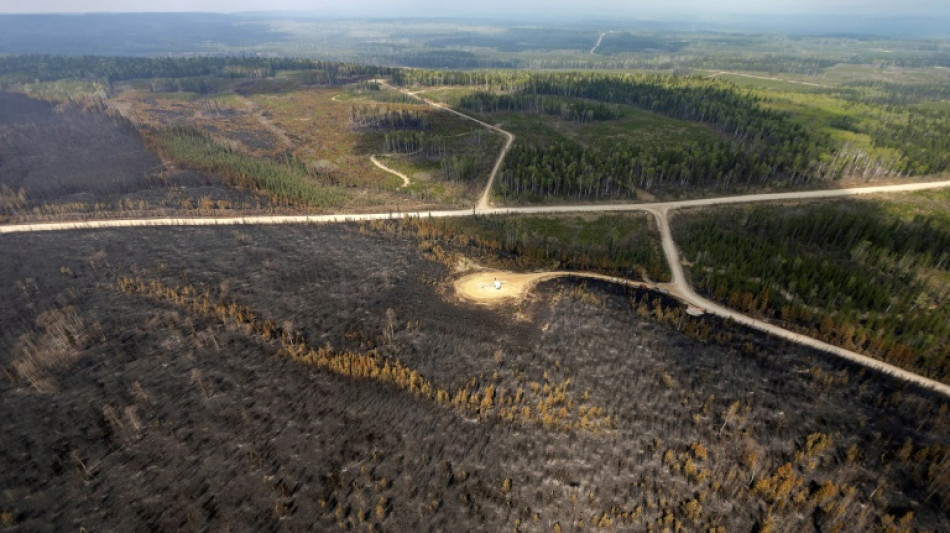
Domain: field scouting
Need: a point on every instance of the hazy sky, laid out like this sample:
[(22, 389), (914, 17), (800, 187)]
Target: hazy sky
[(499, 8)]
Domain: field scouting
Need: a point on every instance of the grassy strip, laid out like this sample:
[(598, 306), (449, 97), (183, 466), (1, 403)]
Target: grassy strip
[(288, 182)]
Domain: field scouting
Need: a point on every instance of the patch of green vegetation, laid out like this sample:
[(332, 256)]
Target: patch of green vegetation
[(226, 98), (182, 96), (621, 245), (868, 275), (61, 90), (876, 137), (789, 83), (448, 95), (288, 181), (633, 128)]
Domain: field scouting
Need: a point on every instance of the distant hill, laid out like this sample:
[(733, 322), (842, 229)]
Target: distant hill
[(131, 34)]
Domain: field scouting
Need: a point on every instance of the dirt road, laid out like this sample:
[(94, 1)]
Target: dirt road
[(597, 44), (662, 207), (405, 178), (484, 200), (684, 292), (786, 80)]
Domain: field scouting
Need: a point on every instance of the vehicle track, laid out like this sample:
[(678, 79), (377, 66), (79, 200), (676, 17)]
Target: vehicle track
[(484, 201), (600, 39), (753, 76), (405, 178)]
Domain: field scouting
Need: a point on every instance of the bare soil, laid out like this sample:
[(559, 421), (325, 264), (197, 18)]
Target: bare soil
[(134, 410), (480, 287)]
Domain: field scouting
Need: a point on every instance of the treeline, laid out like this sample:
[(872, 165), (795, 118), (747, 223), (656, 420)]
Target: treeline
[(616, 170), (504, 80), (191, 84), (287, 181), (699, 100), (387, 118), (573, 110), (29, 68), (888, 93), (766, 146), (921, 137), (847, 273), (619, 245), (772, 63)]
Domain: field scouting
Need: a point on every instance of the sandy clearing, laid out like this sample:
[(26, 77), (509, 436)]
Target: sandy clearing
[(480, 286)]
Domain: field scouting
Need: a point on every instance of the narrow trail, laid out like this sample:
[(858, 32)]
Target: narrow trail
[(405, 178), (266, 122), (721, 72), (597, 45), (429, 89)]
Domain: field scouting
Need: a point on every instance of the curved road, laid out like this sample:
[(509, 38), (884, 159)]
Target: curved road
[(683, 291), (484, 200), (405, 178)]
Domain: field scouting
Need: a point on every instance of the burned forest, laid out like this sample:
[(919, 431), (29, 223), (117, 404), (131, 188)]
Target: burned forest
[(327, 376)]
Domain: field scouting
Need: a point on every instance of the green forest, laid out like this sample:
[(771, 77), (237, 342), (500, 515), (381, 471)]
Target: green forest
[(288, 182), (871, 276), (619, 245), (806, 136), (114, 69)]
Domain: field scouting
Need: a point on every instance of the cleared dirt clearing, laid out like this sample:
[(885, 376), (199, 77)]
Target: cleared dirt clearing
[(480, 287)]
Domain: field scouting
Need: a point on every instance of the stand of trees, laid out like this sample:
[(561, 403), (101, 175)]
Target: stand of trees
[(617, 170), (847, 273), (922, 137), (387, 118), (760, 146), (573, 110), (287, 181), (31, 68), (620, 245)]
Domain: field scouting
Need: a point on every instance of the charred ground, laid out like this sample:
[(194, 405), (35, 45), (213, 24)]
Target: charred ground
[(154, 379), (79, 159)]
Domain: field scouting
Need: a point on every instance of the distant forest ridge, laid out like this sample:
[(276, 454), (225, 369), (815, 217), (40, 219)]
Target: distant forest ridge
[(449, 41)]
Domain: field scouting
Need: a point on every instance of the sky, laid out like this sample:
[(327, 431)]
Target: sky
[(500, 8)]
